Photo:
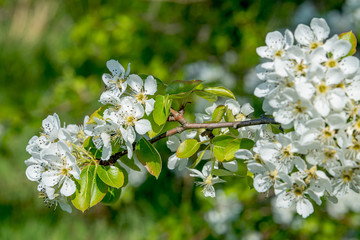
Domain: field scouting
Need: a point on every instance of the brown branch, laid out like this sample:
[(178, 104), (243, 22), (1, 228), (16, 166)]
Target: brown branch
[(185, 125)]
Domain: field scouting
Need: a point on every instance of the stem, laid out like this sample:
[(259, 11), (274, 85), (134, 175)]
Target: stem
[(186, 125)]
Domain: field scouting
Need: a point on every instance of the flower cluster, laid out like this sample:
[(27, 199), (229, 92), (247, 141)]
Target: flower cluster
[(52, 163), (59, 153), (124, 109), (312, 87)]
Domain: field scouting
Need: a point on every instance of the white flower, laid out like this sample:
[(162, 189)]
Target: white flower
[(132, 113), (208, 179), (116, 81), (276, 44), (142, 91), (296, 195), (61, 168), (312, 37), (51, 126)]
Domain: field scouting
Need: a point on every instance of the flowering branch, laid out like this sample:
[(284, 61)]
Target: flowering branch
[(178, 116)]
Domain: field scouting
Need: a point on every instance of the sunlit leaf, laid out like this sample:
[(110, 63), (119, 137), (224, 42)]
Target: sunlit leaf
[(161, 109), (218, 113), (148, 156), (111, 175), (220, 91), (90, 190), (179, 88), (206, 95), (220, 143), (187, 148)]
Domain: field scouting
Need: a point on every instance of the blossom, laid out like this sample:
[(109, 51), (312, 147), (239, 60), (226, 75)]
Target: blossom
[(142, 91), (208, 179)]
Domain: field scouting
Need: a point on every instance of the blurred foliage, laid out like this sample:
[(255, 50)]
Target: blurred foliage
[(53, 54)]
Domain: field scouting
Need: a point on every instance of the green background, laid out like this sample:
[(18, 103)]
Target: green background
[(52, 56)]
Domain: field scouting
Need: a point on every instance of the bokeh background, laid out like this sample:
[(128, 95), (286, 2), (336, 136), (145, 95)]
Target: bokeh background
[(52, 56)]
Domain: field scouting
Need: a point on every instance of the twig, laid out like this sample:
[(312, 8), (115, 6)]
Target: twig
[(185, 125)]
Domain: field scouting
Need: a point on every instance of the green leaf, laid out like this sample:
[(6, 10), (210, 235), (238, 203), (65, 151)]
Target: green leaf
[(242, 169), (220, 91), (250, 181), (229, 117), (222, 173), (206, 95), (236, 144), (246, 143), (220, 143), (88, 143), (161, 109), (231, 148), (180, 89), (130, 163), (112, 196), (275, 128), (98, 114), (351, 38), (187, 148), (111, 175), (90, 190), (149, 157), (198, 159), (218, 113)]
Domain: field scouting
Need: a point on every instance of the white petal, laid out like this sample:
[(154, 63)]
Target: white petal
[(304, 207), (135, 82), (33, 172), (233, 105), (173, 143), (337, 99), (305, 90), (304, 35), (264, 89), (336, 120), (261, 184), (172, 161), (231, 166), (274, 40), (142, 126), (265, 52), (353, 91), (334, 76), (106, 152), (150, 85), (243, 154), (115, 67), (247, 109), (107, 79), (322, 105), (284, 200), (349, 65), (209, 191), (256, 168), (289, 38), (68, 187), (149, 106), (320, 28), (340, 49), (50, 178)]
